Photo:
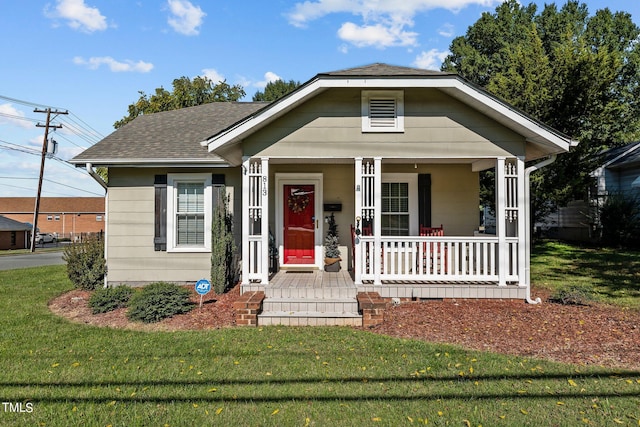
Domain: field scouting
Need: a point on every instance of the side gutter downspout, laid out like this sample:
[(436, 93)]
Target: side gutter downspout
[(527, 214), (104, 185)]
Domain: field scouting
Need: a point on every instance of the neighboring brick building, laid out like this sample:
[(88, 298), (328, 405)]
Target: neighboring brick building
[(68, 217), (13, 234)]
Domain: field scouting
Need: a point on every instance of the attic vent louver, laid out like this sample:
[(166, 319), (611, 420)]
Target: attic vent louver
[(382, 113)]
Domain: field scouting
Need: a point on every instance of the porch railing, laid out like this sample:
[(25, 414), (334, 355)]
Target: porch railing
[(420, 258)]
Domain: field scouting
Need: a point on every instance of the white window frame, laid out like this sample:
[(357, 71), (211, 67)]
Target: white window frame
[(172, 185), (412, 180), (395, 95)]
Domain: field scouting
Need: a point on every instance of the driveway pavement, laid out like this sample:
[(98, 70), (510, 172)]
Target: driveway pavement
[(37, 259)]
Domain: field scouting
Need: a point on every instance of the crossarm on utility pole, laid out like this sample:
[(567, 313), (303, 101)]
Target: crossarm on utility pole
[(46, 127)]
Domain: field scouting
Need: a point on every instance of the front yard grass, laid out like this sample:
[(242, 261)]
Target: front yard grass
[(77, 375), (611, 276)]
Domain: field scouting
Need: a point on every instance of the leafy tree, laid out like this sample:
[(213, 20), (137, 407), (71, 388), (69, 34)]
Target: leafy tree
[(578, 73), (186, 93), (276, 90)]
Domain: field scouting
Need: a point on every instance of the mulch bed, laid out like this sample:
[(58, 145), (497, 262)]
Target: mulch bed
[(585, 335)]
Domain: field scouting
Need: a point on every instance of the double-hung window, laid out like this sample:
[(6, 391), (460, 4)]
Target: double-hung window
[(189, 207), (399, 208)]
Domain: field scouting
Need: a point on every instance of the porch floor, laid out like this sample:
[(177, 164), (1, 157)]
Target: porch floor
[(310, 298), (315, 279)]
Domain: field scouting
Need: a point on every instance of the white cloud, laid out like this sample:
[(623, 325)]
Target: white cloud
[(213, 75), (431, 60), (78, 15), (269, 77), (384, 23), (446, 30), (378, 35), (11, 116), (185, 17), (95, 62)]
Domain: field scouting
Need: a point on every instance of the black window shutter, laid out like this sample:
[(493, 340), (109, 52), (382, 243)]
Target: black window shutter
[(424, 199), (160, 219)]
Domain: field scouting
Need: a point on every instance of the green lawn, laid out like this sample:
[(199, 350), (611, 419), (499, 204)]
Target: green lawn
[(611, 276), (76, 375)]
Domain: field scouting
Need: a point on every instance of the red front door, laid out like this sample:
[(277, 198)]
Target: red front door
[(299, 224)]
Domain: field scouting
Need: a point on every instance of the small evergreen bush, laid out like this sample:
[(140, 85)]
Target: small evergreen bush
[(109, 299), (86, 265), (158, 301), (223, 264)]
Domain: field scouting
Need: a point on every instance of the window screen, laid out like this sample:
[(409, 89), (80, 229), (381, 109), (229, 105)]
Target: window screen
[(190, 213), (395, 209)]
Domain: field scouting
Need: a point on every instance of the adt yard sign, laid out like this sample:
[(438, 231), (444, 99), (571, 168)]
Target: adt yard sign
[(203, 287)]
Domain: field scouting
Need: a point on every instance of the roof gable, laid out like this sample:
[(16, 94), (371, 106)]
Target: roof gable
[(381, 76)]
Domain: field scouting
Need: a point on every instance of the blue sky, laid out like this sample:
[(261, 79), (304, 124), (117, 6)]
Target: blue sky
[(91, 57)]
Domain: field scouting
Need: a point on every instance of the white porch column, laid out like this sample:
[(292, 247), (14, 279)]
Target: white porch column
[(377, 219), (357, 262), (245, 220), (501, 226), (522, 223), (264, 225)]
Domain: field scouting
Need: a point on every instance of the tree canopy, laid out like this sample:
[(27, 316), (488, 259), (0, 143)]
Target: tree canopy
[(576, 72), (276, 90), (186, 93)]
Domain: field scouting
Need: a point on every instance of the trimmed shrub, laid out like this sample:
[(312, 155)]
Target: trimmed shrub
[(109, 299), (158, 301), (86, 265), (223, 265)]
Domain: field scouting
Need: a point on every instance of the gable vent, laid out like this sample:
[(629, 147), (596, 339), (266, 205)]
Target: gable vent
[(382, 113)]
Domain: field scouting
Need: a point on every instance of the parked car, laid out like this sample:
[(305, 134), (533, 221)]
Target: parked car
[(42, 238)]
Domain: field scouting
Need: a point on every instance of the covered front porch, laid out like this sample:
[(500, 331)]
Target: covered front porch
[(377, 254)]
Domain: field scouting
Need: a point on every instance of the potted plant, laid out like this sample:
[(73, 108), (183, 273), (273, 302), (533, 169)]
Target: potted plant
[(331, 252)]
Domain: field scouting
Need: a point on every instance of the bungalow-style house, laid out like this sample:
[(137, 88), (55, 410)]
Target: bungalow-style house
[(394, 153), (619, 172), (14, 234)]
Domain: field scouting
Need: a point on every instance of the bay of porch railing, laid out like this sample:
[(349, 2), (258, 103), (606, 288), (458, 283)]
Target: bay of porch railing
[(254, 262), (427, 258)]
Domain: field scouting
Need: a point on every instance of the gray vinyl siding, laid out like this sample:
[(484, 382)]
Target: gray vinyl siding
[(436, 126), (131, 256)]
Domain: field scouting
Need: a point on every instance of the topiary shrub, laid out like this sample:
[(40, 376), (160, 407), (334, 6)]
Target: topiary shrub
[(86, 265), (158, 301), (223, 265), (109, 299)]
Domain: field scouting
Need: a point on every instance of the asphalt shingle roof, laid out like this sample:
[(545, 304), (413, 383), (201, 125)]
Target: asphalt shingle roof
[(384, 70), (8, 224), (174, 135)]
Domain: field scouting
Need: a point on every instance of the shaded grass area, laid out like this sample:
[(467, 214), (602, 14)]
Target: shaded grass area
[(610, 275), (77, 375)]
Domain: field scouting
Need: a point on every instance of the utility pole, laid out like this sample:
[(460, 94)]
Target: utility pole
[(46, 127)]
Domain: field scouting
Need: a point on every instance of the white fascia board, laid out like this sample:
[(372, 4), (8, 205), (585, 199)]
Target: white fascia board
[(452, 85), (150, 162), (279, 107)]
